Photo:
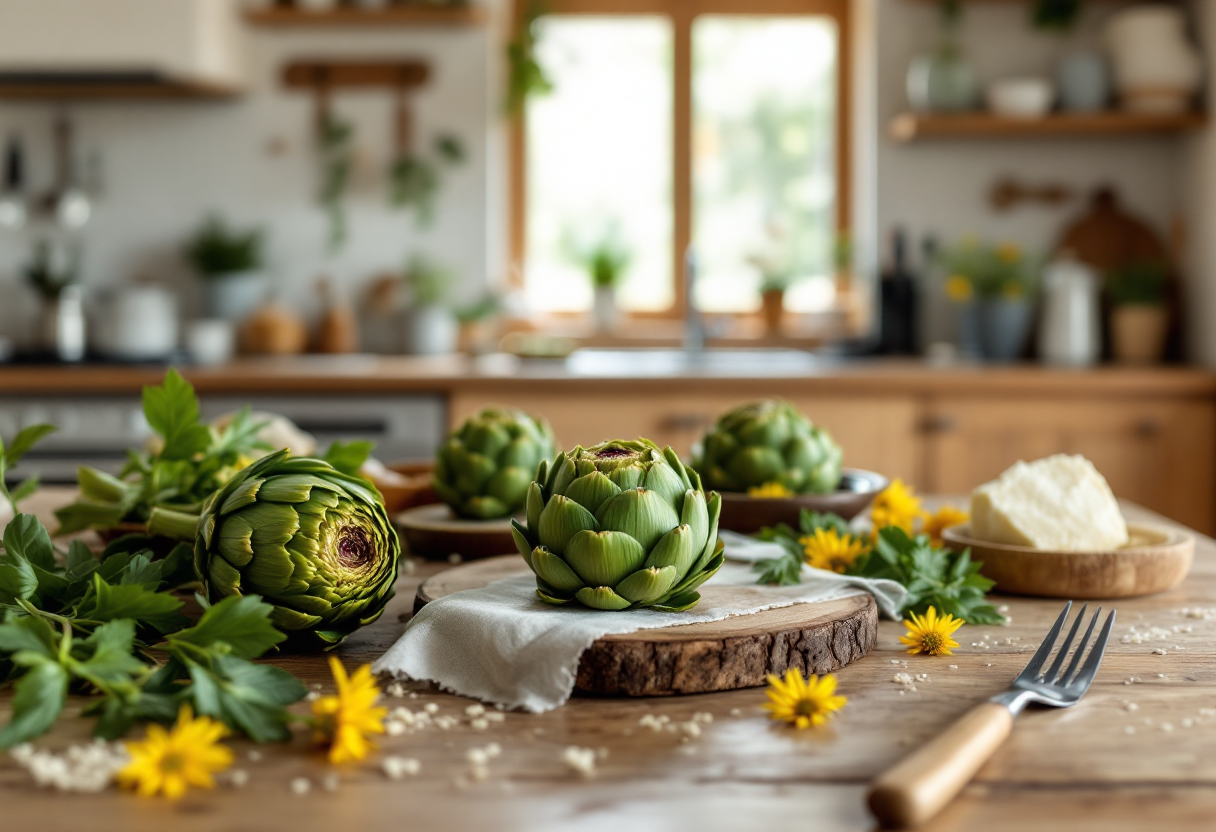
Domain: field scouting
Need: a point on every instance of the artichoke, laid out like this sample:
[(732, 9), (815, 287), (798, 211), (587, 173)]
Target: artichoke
[(484, 468), (620, 525), (314, 542), (766, 442)]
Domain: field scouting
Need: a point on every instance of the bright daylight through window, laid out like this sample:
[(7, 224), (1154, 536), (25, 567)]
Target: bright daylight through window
[(600, 150)]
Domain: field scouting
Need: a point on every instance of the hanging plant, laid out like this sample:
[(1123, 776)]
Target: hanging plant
[(335, 148), (1055, 15), (525, 76), (414, 179)]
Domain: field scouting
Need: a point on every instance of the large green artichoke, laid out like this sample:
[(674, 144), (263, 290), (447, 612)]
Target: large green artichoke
[(484, 468), (620, 525), (315, 543), (764, 443)]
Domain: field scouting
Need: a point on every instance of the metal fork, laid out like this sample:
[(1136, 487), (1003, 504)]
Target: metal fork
[(921, 785)]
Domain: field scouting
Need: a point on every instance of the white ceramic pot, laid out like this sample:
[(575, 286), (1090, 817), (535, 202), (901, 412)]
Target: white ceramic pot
[(430, 330), (136, 323), (1156, 68), (1021, 97), (234, 297), (1070, 332), (210, 341), (606, 312)]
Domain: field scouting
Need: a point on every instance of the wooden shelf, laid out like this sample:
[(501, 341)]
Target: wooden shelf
[(399, 16), (82, 89), (913, 126)]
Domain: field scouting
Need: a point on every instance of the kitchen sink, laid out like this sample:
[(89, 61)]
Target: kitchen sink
[(712, 362)]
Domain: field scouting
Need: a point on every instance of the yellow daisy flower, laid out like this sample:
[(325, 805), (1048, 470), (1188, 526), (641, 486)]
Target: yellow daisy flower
[(1008, 253), (344, 721), (959, 289), (802, 702), (170, 762), (946, 517), (828, 549), (769, 489), (896, 505), (930, 633)]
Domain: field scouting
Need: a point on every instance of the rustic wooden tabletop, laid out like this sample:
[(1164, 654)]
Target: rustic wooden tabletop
[(1135, 753)]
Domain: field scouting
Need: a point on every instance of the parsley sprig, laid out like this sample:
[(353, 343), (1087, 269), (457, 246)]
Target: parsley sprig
[(934, 576)]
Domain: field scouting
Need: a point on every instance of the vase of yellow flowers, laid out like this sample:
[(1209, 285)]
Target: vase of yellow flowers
[(993, 286)]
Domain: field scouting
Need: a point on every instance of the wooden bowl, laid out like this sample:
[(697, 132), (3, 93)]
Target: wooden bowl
[(434, 532), (1155, 559), (745, 514), (411, 485)]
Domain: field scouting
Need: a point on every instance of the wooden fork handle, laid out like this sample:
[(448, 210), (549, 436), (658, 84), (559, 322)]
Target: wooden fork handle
[(921, 785)]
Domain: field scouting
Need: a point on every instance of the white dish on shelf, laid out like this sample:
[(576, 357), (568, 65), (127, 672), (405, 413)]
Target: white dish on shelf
[(1028, 97)]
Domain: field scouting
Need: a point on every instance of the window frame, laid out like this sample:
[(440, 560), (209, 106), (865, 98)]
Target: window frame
[(682, 14)]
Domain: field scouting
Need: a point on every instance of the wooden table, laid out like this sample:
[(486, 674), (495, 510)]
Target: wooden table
[(1132, 755)]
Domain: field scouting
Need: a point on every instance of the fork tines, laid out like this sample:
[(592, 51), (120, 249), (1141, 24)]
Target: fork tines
[(1076, 681)]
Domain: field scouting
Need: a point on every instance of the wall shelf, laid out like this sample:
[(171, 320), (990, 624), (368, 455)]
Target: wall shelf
[(396, 16), (909, 127)]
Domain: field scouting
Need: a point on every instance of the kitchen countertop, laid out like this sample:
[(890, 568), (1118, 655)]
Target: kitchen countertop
[(1103, 765), (391, 374)]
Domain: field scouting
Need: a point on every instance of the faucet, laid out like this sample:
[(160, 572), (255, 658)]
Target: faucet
[(694, 323)]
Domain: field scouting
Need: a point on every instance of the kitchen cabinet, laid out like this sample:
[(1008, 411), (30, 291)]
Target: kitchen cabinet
[(1160, 453), (878, 433)]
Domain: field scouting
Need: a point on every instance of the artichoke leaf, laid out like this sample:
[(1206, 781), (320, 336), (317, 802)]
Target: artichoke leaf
[(483, 508), (564, 475), (472, 472), (560, 521), (555, 572), (235, 541), (677, 602), (648, 584), (696, 515), (675, 549), (628, 476), (534, 504), (664, 480), (601, 598), (603, 558), (643, 515), (243, 495), (592, 491), (510, 487)]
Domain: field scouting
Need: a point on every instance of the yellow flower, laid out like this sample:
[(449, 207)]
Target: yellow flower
[(946, 517), (827, 549), (930, 634), (959, 289), (1008, 253), (170, 762), (344, 721), (769, 489), (1012, 290), (802, 702), (896, 505)]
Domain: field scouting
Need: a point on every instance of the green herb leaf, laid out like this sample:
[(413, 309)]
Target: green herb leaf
[(240, 622), (172, 411), (105, 602), (39, 699), (24, 442), (348, 457), (26, 537)]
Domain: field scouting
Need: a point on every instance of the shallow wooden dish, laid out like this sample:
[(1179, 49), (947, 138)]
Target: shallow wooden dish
[(738, 652), (1156, 558), (411, 488), (745, 514), (435, 532)]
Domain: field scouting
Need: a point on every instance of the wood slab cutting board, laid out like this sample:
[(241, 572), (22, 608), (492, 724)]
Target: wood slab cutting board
[(738, 652)]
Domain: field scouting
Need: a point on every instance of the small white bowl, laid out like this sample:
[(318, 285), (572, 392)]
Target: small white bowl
[(1021, 97)]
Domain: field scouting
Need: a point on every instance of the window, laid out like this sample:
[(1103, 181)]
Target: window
[(721, 123)]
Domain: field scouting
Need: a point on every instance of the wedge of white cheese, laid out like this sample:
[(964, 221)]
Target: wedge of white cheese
[(1060, 503)]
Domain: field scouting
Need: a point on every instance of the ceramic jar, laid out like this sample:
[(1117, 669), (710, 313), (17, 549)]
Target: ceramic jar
[(1157, 70), (942, 81), (1070, 334), (1138, 333), (234, 296), (1083, 79)]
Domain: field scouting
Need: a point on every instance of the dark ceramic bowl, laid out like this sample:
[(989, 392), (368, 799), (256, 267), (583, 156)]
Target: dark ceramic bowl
[(746, 515)]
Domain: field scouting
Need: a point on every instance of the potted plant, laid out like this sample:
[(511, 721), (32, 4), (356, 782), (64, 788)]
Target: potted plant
[(994, 287), (430, 325), (1139, 318), (230, 264), (942, 81), (605, 260), (54, 273)]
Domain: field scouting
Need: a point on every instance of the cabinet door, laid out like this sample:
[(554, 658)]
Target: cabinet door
[(877, 433), (1158, 453)]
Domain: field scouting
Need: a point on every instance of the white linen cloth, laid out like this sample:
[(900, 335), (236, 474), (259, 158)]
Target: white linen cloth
[(502, 645)]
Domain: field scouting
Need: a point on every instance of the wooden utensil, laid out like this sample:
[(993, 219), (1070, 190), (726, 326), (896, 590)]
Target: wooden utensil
[(737, 652), (923, 784), (1155, 559)]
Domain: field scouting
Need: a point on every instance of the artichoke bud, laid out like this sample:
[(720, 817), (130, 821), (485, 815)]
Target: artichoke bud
[(312, 541), (617, 526), (766, 442), (486, 466)]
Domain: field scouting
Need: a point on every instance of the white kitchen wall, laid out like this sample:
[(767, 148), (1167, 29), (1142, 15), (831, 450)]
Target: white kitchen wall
[(1198, 174), (166, 164), (941, 186)]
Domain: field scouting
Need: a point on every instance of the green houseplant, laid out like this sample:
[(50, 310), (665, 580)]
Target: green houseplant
[(229, 261), (430, 326), (1139, 314), (605, 258), (994, 287)]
